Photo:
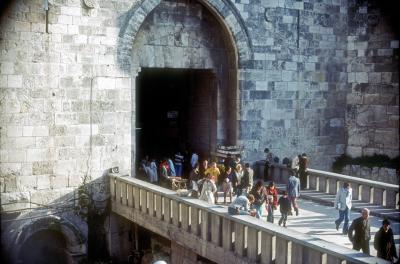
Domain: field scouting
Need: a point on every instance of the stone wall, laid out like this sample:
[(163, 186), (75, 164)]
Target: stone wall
[(294, 91), (372, 112), (387, 175), (65, 104)]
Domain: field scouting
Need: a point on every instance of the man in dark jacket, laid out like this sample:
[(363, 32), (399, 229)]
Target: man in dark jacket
[(384, 242), (362, 233)]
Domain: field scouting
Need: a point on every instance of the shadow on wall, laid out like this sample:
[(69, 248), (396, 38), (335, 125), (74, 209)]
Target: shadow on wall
[(67, 230)]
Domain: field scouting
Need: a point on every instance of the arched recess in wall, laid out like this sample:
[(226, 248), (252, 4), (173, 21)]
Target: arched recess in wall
[(179, 48), (36, 234)]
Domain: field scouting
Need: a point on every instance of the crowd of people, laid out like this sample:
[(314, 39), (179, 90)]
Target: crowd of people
[(234, 179)]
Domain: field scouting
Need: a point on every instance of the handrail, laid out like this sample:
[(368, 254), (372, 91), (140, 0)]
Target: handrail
[(372, 192), (382, 185), (251, 223)]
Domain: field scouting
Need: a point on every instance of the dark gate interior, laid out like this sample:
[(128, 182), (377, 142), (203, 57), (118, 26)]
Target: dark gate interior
[(176, 110), (43, 247)]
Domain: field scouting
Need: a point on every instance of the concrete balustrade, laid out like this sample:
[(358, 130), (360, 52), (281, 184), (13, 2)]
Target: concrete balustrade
[(209, 231), (378, 193)]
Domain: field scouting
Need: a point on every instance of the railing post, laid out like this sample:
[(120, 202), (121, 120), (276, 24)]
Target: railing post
[(268, 248), (159, 208), (216, 230), (312, 182), (322, 184), (185, 216), (143, 200), (239, 239), (252, 244), (333, 186), (175, 213), (226, 234), (284, 255), (391, 198), (314, 256), (194, 225), (129, 194), (297, 256), (338, 184), (371, 194), (136, 197), (167, 210), (365, 193), (204, 225), (151, 203), (378, 196), (326, 185)]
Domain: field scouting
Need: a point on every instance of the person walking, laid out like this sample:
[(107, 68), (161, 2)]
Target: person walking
[(384, 242), (284, 207), (237, 182), (244, 185), (178, 162), (153, 171), (362, 232), (208, 190), (193, 179), (303, 170), (249, 174), (343, 204), (172, 171), (269, 158), (258, 192), (293, 189), (272, 191), (227, 183), (269, 206), (295, 162)]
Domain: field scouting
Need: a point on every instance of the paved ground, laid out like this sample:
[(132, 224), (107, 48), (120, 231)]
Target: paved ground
[(317, 220)]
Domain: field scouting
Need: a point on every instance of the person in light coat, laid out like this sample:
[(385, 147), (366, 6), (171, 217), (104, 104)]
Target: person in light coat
[(343, 204), (293, 190)]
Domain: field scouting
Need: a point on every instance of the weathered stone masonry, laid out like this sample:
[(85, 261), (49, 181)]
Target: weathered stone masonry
[(319, 77)]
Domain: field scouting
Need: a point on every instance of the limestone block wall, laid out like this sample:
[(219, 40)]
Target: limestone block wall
[(294, 91), (372, 112), (306, 70), (65, 105)]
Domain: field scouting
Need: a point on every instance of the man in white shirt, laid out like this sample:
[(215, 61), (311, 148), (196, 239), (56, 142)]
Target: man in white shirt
[(343, 204)]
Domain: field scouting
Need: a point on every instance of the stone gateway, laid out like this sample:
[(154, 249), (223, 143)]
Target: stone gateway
[(90, 85)]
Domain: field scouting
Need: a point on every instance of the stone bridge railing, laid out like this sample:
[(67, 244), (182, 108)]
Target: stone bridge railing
[(209, 231), (372, 192)]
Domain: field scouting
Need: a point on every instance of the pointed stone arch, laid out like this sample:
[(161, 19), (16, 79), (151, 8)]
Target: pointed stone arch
[(223, 10)]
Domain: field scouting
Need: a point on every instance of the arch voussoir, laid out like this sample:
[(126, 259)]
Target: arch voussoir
[(227, 13)]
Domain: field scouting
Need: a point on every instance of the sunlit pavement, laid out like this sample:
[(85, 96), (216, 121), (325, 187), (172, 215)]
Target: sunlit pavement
[(319, 221)]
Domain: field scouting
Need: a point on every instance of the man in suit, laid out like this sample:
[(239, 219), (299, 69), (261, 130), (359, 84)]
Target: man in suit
[(293, 189), (362, 234)]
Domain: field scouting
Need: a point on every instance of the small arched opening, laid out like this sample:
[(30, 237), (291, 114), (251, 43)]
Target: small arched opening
[(45, 246)]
